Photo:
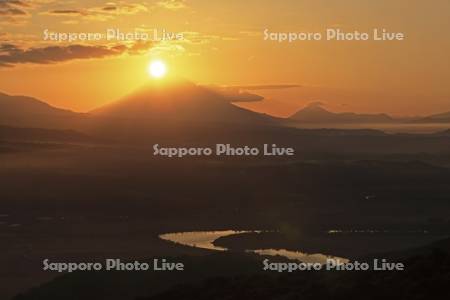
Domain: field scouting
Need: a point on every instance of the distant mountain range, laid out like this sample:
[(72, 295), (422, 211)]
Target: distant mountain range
[(438, 118), (163, 105), (23, 111), (315, 113), (39, 134), (157, 104), (186, 114)]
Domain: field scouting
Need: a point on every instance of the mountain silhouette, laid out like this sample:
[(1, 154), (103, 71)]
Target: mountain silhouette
[(46, 135), (315, 113), (178, 100), (171, 107), (22, 111), (437, 118)]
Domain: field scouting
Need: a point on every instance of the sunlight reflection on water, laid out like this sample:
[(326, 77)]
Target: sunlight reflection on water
[(205, 240)]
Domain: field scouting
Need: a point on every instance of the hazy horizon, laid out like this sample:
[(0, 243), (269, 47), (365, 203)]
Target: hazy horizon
[(225, 45), (221, 150)]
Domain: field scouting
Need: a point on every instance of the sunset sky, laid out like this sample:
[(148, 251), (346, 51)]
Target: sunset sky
[(224, 44)]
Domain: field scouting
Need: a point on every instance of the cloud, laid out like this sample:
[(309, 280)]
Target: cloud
[(240, 96), (110, 7), (11, 54), (171, 48), (197, 38), (100, 13), (173, 4), (233, 94), (315, 104), (251, 33), (12, 3), (17, 12), (141, 47), (265, 87), (65, 12), (112, 10), (22, 39), (239, 93), (13, 12)]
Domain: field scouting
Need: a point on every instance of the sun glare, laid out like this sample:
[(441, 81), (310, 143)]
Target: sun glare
[(157, 69)]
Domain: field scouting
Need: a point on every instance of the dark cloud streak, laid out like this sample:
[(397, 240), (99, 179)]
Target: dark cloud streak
[(12, 8), (11, 55), (233, 94), (239, 93), (264, 87), (66, 12)]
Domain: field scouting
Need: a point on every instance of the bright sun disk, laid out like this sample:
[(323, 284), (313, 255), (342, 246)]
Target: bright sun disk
[(157, 69)]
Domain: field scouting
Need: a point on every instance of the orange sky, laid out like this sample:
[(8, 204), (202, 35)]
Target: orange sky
[(224, 44)]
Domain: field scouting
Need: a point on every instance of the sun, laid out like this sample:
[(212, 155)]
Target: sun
[(157, 69)]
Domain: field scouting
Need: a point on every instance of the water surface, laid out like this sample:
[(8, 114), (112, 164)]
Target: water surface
[(205, 240)]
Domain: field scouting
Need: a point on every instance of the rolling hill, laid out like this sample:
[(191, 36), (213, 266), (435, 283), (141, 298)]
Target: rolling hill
[(315, 113), (437, 118), (22, 111)]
